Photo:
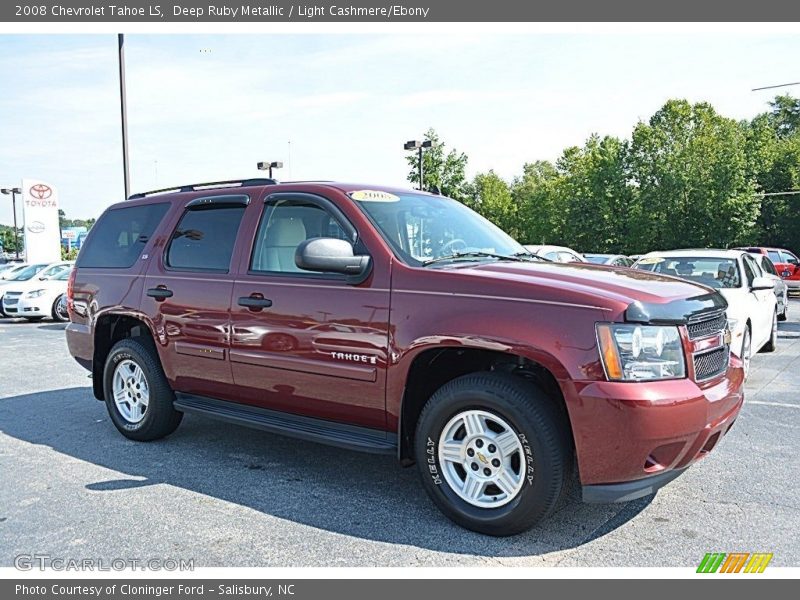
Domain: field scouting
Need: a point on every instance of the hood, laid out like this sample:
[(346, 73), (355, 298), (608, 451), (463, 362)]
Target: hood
[(645, 296), (32, 284)]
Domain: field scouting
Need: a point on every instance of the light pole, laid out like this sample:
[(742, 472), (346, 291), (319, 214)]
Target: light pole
[(14, 192), (419, 147), (123, 108), (268, 166)]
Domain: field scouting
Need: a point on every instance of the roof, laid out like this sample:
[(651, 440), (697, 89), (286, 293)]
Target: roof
[(697, 252), (216, 187)]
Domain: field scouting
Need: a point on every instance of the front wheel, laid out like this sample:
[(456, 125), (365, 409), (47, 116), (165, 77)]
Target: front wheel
[(785, 314), (59, 311), (494, 452), (746, 352)]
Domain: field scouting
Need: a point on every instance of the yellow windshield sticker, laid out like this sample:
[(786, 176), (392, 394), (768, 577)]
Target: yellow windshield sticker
[(651, 260), (373, 196)]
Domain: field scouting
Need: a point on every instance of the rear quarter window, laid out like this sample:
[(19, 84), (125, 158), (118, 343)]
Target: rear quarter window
[(117, 239)]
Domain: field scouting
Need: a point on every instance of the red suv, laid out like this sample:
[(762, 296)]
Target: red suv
[(401, 322), (786, 264)]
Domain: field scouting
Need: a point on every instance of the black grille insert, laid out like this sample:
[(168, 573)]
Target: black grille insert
[(711, 363), (707, 328)]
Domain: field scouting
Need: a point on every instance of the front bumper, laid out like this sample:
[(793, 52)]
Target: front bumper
[(629, 490), (26, 307), (632, 438)]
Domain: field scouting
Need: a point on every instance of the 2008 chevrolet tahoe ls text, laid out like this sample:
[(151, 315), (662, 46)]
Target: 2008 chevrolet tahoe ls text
[(394, 321)]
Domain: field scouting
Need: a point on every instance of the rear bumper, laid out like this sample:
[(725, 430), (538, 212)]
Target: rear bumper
[(792, 284), (81, 344), (629, 490), (633, 438)]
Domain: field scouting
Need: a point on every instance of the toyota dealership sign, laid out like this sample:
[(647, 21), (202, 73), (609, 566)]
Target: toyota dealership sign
[(40, 217)]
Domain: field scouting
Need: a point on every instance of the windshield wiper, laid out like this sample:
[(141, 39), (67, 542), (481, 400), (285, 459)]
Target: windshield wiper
[(534, 256), (518, 257)]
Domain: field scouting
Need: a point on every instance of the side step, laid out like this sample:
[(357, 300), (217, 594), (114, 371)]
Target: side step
[(332, 433)]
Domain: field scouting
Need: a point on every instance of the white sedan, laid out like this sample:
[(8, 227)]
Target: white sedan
[(40, 297), (556, 253), (752, 307)]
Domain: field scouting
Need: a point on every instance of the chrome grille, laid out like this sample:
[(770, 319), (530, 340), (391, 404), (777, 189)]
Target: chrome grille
[(11, 298), (711, 363), (706, 328)]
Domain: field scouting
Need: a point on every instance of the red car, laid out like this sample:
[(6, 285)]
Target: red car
[(395, 321), (786, 264)]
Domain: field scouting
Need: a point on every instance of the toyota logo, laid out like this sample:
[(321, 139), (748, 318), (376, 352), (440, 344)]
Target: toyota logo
[(41, 191), (36, 226)]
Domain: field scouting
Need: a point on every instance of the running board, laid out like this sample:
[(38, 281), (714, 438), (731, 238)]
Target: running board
[(351, 437)]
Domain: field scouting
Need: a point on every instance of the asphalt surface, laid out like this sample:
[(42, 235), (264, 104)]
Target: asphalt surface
[(72, 487)]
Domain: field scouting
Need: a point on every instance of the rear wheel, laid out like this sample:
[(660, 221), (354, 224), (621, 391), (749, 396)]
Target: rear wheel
[(785, 313), (772, 344), (138, 397), (746, 352), (494, 452)]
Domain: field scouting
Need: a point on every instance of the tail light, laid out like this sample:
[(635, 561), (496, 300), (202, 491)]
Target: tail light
[(71, 289)]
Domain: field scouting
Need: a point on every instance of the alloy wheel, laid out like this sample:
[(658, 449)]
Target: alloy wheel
[(131, 392)]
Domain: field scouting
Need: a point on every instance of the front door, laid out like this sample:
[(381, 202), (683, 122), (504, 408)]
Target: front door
[(307, 343)]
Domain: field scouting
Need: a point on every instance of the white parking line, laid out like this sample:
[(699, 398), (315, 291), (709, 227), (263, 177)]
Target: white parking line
[(772, 404)]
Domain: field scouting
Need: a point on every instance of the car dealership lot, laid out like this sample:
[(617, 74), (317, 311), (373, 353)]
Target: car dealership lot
[(229, 496)]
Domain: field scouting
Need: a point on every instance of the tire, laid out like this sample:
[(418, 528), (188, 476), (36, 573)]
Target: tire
[(747, 351), (538, 432), (785, 314), (57, 312), (772, 344), (33, 319), (157, 417)]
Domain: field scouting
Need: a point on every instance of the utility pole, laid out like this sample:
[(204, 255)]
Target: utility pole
[(123, 107)]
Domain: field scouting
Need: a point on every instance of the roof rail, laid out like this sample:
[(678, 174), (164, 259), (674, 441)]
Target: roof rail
[(197, 187)]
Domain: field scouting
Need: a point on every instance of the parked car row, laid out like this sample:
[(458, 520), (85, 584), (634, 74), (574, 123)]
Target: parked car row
[(755, 282), (35, 291)]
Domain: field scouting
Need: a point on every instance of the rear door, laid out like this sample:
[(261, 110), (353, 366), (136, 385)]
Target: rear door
[(187, 294), (316, 345), (762, 303)]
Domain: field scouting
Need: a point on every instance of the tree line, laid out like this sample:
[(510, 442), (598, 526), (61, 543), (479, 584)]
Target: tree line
[(687, 177)]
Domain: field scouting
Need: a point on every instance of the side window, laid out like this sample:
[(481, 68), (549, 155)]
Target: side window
[(775, 256), (767, 266), (204, 239), (788, 257), (284, 225), (117, 239), (750, 267)]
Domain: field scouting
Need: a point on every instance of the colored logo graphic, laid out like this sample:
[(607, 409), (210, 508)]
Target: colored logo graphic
[(41, 191), (736, 562)]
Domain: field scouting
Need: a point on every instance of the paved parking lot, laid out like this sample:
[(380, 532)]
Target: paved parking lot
[(72, 487)]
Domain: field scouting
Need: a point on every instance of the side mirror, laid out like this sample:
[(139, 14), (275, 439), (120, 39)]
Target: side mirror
[(762, 283), (330, 255)]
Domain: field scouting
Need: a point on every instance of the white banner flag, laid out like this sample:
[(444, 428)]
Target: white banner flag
[(40, 222)]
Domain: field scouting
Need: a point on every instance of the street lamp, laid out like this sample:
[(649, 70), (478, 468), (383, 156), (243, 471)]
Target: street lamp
[(14, 192), (268, 166), (419, 147)]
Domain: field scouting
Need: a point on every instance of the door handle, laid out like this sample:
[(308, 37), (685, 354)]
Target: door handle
[(159, 293), (254, 302)]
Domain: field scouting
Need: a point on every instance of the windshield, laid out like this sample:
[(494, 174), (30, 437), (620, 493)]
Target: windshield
[(27, 273), (710, 271), (598, 259), (54, 270), (421, 228)]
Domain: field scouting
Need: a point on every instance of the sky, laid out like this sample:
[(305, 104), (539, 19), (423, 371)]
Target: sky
[(205, 108)]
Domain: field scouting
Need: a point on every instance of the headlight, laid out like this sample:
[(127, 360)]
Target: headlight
[(35, 293), (640, 352)]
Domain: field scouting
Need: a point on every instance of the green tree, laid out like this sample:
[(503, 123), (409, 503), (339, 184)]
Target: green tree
[(690, 167), (785, 115), (595, 195), (445, 171), (7, 239), (540, 209), (490, 196)]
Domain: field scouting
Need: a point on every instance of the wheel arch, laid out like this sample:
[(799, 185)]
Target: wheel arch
[(109, 328), (432, 367)]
